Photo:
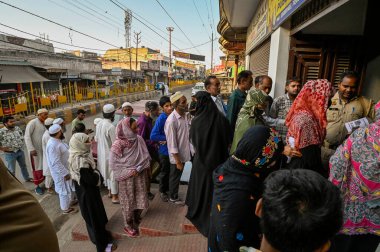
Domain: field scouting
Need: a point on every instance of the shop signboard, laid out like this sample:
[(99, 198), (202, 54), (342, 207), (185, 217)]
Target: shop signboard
[(285, 8)]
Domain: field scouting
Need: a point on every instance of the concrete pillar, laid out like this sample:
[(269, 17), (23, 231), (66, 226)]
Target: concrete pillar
[(278, 60)]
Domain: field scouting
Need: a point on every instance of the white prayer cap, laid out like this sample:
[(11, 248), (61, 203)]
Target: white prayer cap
[(58, 121), (54, 129), (108, 108), (49, 121), (175, 97), (126, 104), (97, 120), (42, 110)]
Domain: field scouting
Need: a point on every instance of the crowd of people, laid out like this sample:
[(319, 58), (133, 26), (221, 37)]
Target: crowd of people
[(275, 175)]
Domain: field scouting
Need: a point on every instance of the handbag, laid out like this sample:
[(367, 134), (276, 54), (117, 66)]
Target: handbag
[(38, 175)]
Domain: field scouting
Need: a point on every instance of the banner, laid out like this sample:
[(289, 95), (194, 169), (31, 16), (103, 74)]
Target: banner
[(184, 65), (285, 8), (188, 56)]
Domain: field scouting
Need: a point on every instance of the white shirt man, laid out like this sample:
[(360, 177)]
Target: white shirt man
[(105, 136)]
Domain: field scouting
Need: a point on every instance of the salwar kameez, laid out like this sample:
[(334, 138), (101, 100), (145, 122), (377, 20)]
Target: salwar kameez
[(133, 199)]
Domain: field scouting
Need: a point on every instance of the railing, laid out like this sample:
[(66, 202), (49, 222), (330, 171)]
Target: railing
[(28, 102)]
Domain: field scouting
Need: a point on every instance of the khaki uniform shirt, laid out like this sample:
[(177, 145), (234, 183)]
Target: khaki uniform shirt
[(341, 112)]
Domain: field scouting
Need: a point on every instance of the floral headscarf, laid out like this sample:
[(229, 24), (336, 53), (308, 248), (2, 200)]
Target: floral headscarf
[(311, 102)]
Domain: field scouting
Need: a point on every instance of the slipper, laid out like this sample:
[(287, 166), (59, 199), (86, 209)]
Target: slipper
[(29, 180), (130, 233), (70, 211), (115, 201)]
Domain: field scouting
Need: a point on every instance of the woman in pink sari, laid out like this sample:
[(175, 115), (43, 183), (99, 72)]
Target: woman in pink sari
[(129, 160), (355, 169)]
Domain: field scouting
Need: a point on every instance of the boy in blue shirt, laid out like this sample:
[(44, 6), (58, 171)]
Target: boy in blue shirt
[(158, 135)]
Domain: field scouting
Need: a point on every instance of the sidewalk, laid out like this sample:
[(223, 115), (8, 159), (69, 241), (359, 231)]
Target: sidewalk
[(163, 228)]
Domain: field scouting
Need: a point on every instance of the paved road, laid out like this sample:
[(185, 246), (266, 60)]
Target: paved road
[(50, 203)]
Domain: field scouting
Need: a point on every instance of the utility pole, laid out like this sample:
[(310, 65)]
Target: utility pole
[(212, 50), (170, 29), (137, 42)]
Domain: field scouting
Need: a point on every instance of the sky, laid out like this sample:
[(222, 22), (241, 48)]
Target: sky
[(103, 20)]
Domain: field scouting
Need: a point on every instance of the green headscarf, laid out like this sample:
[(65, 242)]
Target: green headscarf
[(249, 115)]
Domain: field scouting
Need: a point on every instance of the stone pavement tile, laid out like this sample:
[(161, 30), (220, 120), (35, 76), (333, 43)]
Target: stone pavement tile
[(164, 218), (183, 243)]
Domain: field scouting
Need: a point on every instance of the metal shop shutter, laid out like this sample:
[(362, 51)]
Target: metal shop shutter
[(259, 59)]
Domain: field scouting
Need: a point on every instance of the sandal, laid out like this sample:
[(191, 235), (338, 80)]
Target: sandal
[(70, 211), (130, 233), (111, 247)]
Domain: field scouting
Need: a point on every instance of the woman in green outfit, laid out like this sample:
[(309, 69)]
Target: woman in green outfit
[(249, 115)]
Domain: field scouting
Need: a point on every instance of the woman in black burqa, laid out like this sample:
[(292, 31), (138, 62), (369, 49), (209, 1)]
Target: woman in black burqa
[(210, 135), (238, 185)]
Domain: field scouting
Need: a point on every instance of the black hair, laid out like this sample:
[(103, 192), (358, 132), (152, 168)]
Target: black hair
[(163, 100), (54, 135), (293, 79), (48, 126), (263, 77), (108, 115), (151, 105), (7, 118), (208, 80), (258, 79), (243, 75), (79, 128), (81, 111), (131, 120), (301, 210), (350, 74)]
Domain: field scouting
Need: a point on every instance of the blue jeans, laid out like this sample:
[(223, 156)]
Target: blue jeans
[(11, 157)]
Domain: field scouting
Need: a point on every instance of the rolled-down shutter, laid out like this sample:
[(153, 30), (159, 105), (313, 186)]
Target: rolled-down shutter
[(259, 59)]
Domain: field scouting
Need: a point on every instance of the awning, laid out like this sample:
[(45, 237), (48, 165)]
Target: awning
[(19, 74)]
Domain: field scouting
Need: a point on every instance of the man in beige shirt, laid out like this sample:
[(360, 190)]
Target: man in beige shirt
[(346, 106)]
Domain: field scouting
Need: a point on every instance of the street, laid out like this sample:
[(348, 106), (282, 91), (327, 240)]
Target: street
[(50, 203)]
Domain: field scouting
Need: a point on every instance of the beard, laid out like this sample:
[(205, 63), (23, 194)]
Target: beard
[(62, 136)]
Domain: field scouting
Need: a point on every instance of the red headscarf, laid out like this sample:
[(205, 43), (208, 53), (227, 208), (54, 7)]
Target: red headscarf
[(306, 119)]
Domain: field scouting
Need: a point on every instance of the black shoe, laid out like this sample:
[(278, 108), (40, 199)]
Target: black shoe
[(164, 197), (150, 196)]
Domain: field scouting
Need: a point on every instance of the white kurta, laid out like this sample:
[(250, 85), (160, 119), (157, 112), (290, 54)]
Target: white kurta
[(33, 140), (45, 139), (105, 136), (57, 154)]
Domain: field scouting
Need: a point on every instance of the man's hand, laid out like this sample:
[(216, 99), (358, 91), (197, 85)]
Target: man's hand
[(67, 177), (179, 166), (5, 149), (162, 142), (89, 131), (33, 153)]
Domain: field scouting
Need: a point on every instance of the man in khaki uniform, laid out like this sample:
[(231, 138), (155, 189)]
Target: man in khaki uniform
[(346, 106)]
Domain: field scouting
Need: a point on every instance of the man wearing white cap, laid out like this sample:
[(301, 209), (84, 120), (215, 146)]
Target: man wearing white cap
[(33, 140), (105, 136), (178, 141), (57, 154), (61, 123), (45, 138), (127, 109)]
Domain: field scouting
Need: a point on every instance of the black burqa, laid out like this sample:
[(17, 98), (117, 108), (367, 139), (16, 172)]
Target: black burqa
[(210, 135), (92, 208), (238, 185)]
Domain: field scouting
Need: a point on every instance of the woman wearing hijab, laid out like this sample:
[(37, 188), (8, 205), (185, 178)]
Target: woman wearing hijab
[(306, 122), (210, 135), (129, 160), (250, 114), (87, 181), (354, 168), (238, 185)]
